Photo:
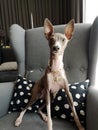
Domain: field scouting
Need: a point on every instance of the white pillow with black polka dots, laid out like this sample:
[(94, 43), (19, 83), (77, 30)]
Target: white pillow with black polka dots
[(59, 107)]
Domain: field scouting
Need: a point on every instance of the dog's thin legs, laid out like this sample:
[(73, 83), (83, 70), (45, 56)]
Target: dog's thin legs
[(70, 100), (49, 111), (19, 119), (43, 115), (32, 101)]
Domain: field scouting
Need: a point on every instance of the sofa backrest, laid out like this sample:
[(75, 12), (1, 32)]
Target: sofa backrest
[(80, 59), (75, 57)]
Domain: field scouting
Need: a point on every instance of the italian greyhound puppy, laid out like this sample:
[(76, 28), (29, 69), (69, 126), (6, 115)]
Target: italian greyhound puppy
[(54, 78)]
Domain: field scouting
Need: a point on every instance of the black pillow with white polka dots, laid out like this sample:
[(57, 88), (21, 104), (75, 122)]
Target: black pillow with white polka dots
[(59, 107), (22, 95)]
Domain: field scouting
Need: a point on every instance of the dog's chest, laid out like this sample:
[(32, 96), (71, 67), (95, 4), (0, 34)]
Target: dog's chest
[(56, 81)]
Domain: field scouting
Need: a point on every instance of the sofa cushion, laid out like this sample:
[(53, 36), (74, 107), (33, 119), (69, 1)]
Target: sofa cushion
[(8, 76), (8, 66), (60, 107), (22, 95), (7, 54), (33, 122)]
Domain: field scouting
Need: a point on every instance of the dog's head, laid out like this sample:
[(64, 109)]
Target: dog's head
[(58, 41)]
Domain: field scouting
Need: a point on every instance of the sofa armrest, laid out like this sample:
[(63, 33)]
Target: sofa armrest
[(17, 40), (6, 91), (92, 108)]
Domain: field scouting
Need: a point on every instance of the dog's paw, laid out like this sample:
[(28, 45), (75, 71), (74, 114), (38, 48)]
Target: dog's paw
[(18, 122), (44, 117)]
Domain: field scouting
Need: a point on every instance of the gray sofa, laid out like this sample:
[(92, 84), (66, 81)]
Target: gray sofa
[(32, 52)]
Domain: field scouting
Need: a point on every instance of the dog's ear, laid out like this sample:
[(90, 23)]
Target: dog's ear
[(69, 29), (48, 28)]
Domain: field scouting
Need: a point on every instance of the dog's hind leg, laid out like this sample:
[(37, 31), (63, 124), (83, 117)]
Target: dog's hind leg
[(43, 115), (70, 100)]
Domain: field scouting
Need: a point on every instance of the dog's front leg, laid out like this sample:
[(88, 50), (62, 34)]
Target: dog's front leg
[(70, 100), (49, 110)]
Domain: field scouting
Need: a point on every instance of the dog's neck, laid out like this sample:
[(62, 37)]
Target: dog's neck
[(55, 62)]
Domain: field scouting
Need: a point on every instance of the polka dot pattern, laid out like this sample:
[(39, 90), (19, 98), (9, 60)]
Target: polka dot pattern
[(59, 107), (22, 95)]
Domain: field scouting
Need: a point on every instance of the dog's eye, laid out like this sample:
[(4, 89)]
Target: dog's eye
[(63, 40)]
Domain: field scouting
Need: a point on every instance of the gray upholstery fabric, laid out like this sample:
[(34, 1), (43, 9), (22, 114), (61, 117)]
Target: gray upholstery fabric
[(93, 51), (37, 52), (92, 108), (76, 54), (17, 37), (92, 98), (33, 122), (6, 90)]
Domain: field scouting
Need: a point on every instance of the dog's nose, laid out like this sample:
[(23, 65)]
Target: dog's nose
[(56, 48)]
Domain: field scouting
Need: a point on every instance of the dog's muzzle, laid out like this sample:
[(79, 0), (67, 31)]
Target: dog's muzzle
[(55, 48)]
